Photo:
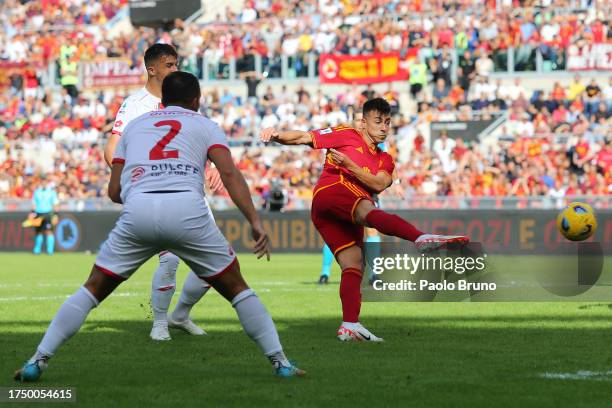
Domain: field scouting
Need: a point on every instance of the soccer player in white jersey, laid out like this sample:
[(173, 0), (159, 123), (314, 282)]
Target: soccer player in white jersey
[(157, 175), (160, 60)]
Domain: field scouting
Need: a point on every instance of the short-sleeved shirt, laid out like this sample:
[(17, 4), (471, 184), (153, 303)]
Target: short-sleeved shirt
[(349, 141), (133, 106), (44, 199), (166, 150)]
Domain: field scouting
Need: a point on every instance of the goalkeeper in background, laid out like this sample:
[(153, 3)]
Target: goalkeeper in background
[(44, 205)]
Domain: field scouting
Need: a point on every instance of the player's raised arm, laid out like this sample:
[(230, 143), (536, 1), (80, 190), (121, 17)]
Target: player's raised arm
[(238, 190), (288, 137), (376, 182)]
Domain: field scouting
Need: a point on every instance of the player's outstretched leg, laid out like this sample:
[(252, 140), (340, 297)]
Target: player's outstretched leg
[(68, 320), (350, 260), (255, 319), (328, 259), (390, 224), (194, 289)]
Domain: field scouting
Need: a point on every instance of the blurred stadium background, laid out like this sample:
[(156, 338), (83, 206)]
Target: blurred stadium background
[(497, 105)]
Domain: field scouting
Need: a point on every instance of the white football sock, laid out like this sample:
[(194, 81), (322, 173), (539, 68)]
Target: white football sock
[(164, 285), (194, 289), (67, 322), (258, 324)]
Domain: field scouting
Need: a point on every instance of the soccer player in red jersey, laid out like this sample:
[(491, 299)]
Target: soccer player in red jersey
[(342, 205)]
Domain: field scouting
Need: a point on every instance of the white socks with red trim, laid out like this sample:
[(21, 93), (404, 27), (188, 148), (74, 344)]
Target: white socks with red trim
[(67, 322), (164, 285), (193, 290), (258, 324)]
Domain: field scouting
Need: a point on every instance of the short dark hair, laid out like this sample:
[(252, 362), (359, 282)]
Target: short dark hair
[(180, 88), (154, 52), (379, 105)]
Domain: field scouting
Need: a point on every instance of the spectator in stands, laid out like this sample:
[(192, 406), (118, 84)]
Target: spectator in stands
[(484, 65), (252, 80), (418, 77), (440, 92), (443, 148), (575, 88), (466, 70)]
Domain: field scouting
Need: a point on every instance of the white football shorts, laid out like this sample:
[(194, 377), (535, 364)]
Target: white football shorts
[(177, 222)]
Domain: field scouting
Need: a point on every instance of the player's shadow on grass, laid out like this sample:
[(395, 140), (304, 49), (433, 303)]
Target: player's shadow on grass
[(111, 362), (595, 306), (127, 342), (115, 363)]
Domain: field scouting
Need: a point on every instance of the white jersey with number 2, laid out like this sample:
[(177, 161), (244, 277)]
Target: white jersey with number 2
[(166, 150)]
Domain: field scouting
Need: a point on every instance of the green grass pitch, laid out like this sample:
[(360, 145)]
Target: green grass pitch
[(435, 354)]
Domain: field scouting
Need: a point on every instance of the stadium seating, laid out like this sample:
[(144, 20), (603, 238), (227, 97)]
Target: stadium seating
[(555, 139)]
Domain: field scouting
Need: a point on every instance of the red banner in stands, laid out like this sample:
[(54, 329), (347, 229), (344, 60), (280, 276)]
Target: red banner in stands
[(112, 73), (363, 69), (589, 57), (8, 69)]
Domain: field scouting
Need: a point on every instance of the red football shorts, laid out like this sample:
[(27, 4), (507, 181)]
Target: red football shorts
[(332, 214)]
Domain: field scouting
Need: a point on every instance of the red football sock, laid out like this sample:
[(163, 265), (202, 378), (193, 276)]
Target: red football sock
[(393, 225), (350, 294)]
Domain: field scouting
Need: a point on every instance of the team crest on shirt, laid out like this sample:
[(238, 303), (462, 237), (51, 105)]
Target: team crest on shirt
[(137, 173), (118, 123)]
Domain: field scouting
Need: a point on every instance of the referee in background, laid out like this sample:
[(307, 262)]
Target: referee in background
[(44, 203)]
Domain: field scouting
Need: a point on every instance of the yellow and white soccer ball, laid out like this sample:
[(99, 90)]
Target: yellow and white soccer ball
[(577, 221)]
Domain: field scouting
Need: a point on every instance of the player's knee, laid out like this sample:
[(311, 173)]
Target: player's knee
[(94, 300), (229, 283), (169, 262), (353, 266), (362, 210), (356, 270), (100, 285), (350, 258)]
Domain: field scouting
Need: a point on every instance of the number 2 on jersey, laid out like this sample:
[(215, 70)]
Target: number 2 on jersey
[(158, 152)]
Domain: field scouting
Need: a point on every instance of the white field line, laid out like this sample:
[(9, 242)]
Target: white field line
[(43, 298), (513, 284), (76, 284), (134, 294), (580, 375)]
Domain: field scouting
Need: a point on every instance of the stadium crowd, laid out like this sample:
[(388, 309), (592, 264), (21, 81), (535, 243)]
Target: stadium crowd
[(534, 156), (61, 133), (271, 28)]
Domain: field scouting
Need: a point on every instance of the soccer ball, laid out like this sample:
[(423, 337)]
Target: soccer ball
[(577, 221)]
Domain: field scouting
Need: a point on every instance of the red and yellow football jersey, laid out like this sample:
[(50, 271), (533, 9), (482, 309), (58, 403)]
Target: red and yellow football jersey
[(349, 141)]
